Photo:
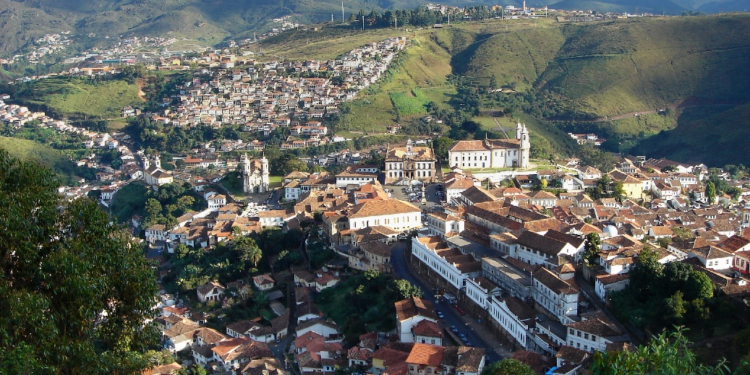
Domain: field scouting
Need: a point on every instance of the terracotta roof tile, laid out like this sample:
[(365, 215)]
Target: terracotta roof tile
[(426, 355), (411, 307)]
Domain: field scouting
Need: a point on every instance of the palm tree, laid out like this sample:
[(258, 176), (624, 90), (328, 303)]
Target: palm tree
[(253, 254)]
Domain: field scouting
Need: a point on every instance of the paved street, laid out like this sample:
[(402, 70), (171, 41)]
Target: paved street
[(464, 323), (278, 348)]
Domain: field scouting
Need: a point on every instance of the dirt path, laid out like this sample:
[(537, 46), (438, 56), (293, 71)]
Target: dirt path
[(142, 95), (682, 103), (502, 129)]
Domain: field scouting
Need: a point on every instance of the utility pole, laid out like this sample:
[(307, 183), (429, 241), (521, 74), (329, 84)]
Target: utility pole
[(363, 22), (395, 22)]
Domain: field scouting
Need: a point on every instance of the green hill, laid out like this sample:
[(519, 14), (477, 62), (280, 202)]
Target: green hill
[(49, 157), (650, 6), (613, 68), (79, 97), (715, 140), (570, 73), (26, 149)]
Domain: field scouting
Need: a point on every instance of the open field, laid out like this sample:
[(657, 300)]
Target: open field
[(410, 103), (30, 150), (79, 97), (274, 181)]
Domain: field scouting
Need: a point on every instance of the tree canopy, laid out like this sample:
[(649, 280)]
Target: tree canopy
[(661, 296), (665, 354), (508, 367), (74, 290)]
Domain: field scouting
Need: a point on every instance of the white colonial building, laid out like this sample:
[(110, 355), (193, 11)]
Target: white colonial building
[(492, 153), (410, 163), (255, 174), (481, 290), (441, 223), (357, 175), (514, 316), (452, 265), (392, 213), (593, 333), (555, 295), (153, 174)]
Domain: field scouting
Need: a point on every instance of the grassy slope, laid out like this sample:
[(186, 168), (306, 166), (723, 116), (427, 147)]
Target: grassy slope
[(636, 65), (74, 96), (703, 141), (619, 67), (30, 150), (516, 56), (26, 149)]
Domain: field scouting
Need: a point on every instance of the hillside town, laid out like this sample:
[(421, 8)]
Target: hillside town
[(506, 268), (423, 253), (265, 96)]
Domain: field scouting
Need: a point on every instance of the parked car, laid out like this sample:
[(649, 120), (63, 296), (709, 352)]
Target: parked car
[(454, 329), (440, 314), (460, 311)]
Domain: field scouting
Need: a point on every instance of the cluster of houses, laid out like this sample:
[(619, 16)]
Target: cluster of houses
[(110, 178), (416, 349), (47, 45), (587, 139), (265, 96), (241, 347), (511, 255), (662, 182)]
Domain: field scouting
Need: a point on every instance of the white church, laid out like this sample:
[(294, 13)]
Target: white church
[(153, 174), (492, 153), (254, 174)]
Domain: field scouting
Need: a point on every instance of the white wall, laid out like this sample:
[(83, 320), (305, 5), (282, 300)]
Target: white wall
[(508, 321), (397, 222), (589, 344)]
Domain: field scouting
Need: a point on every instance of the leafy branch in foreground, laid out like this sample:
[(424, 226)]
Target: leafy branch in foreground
[(74, 291)]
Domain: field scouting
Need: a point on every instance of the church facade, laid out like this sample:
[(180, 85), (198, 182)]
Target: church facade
[(492, 153), (410, 163), (153, 175), (255, 174)]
